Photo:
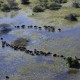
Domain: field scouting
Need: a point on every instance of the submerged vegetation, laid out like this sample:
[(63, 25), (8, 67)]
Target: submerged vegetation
[(20, 42), (46, 53)]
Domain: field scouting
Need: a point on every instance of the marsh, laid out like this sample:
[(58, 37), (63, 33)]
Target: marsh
[(18, 65)]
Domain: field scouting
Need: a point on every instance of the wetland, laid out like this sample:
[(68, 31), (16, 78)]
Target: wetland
[(17, 65)]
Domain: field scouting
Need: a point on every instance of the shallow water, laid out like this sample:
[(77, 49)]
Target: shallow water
[(21, 66)]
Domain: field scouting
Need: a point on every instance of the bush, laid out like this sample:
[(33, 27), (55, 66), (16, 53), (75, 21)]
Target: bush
[(44, 3), (25, 1), (38, 8), (76, 5), (71, 17), (5, 7), (73, 63), (20, 42), (61, 1), (54, 6)]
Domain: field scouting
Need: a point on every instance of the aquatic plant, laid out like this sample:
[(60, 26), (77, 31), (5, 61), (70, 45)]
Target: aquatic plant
[(20, 42)]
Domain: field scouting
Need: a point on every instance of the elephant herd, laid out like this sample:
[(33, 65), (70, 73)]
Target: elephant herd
[(27, 51), (47, 28)]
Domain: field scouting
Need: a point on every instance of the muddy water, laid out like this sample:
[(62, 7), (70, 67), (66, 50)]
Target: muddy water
[(21, 66)]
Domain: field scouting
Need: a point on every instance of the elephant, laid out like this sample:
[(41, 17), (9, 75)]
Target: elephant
[(54, 55), (1, 38), (18, 26), (40, 28), (62, 56), (59, 30), (23, 26), (22, 48), (35, 27), (7, 77), (53, 29), (3, 44)]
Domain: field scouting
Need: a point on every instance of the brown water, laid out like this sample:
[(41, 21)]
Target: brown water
[(21, 66)]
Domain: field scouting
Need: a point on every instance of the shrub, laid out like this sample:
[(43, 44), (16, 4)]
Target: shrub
[(61, 1), (44, 3), (38, 8), (76, 5), (73, 63), (71, 17), (5, 7), (25, 1), (12, 4), (20, 42), (54, 6)]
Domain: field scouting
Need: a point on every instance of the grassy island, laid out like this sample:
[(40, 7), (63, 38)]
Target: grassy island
[(51, 11)]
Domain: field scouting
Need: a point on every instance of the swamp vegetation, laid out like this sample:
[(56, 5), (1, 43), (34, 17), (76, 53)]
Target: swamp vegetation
[(39, 39)]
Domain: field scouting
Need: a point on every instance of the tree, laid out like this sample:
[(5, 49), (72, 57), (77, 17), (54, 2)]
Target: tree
[(69, 61), (73, 63)]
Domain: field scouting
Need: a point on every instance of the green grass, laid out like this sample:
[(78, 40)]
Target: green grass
[(57, 17), (73, 71), (50, 16)]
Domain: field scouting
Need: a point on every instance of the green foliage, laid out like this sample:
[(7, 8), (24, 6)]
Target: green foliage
[(44, 3), (51, 4), (12, 4), (25, 1), (61, 1), (38, 8), (5, 7), (71, 17), (76, 5), (9, 5), (20, 42), (54, 6), (73, 63)]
